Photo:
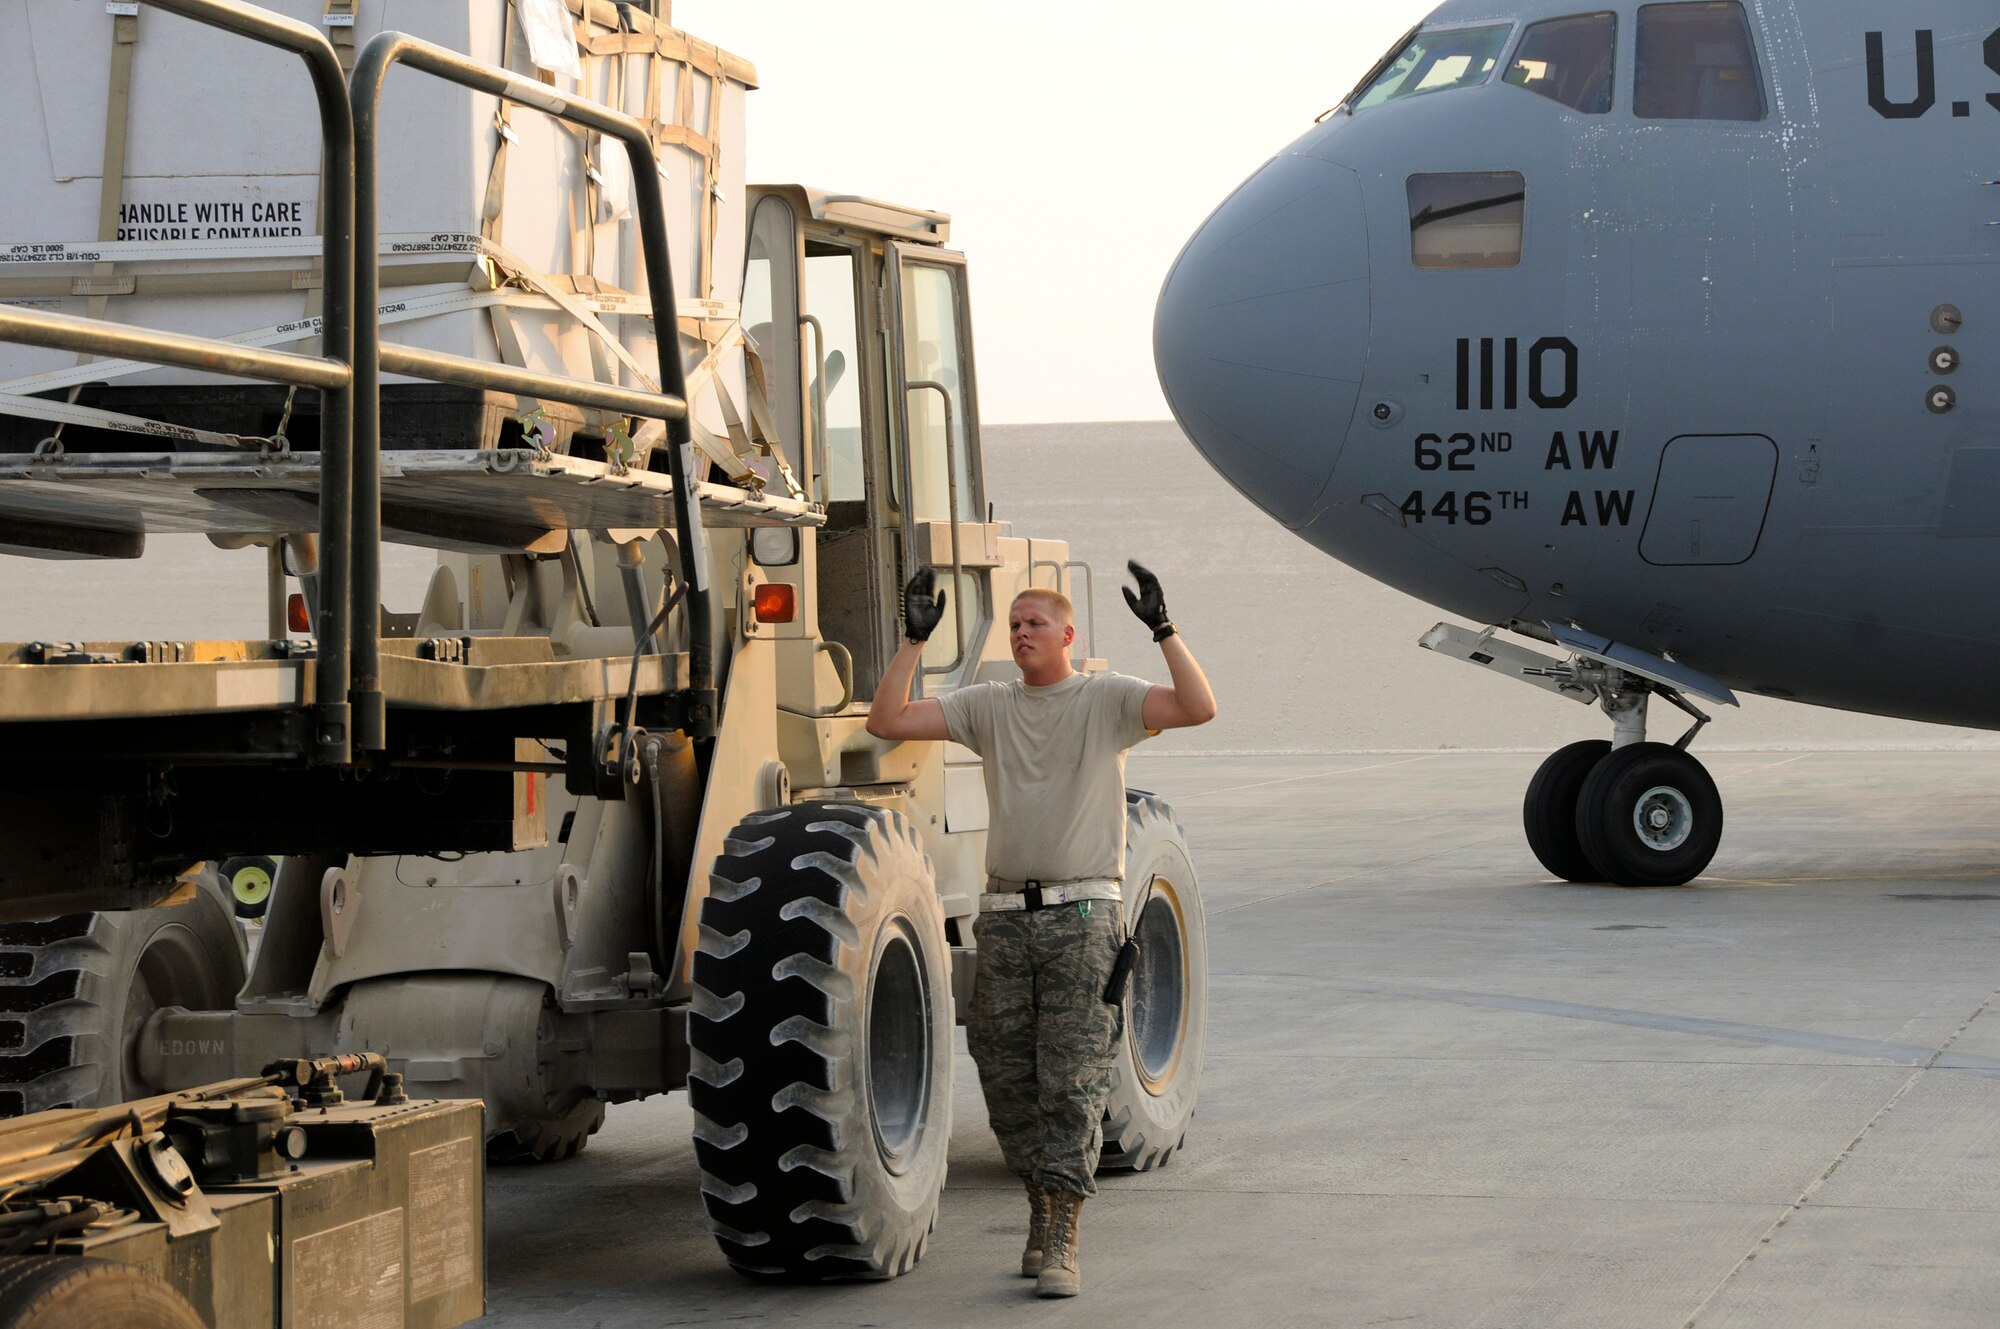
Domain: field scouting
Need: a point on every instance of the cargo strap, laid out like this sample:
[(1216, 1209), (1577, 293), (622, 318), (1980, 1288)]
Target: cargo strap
[(62, 412), (710, 445), (1014, 897), (536, 281), (117, 127), (496, 190), (764, 429), (111, 177), (338, 19), (339, 23), (730, 453), (726, 453), (503, 134)]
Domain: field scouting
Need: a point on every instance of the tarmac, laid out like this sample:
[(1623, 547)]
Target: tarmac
[(1443, 1090), (1440, 1088)]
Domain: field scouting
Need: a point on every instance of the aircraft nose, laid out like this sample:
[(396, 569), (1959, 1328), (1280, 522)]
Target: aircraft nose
[(1261, 333)]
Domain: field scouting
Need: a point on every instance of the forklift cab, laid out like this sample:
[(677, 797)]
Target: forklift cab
[(860, 322)]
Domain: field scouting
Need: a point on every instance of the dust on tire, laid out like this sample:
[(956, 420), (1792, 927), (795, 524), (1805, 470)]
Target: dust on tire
[(812, 909)]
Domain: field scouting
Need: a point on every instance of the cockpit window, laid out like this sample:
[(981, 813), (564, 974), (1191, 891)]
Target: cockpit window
[(1435, 61), (1696, 62), (1467, 219), (1568, 60)]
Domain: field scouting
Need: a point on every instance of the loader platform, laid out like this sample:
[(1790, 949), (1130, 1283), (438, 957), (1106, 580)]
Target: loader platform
[(96, 680), (489, 501), (511, 500)]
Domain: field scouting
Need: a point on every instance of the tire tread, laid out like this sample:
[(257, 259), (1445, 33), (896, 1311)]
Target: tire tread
[(1131, 1143), (770, 1055)]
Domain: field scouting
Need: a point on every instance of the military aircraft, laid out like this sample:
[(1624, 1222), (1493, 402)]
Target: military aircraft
[(1662, 334)]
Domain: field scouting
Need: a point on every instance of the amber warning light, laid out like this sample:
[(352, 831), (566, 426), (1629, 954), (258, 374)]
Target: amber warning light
[(295, 613), (776, 602)]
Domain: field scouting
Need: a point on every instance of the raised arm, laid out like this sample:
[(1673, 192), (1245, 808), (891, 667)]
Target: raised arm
[(892, 714), (1188, 700)]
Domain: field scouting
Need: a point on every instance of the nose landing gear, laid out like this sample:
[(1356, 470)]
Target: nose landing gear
[(1626, 811), (1548, 814), (1643, 815)]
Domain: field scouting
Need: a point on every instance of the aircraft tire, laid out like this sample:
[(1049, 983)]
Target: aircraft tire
[(1157, 1076), (79, 988), (1649, 815), (820, 1045), (1548, 812)]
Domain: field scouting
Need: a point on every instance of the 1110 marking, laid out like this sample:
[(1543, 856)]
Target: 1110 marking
[(1550, 387)]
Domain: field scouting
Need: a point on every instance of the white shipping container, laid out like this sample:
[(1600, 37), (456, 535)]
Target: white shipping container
[(217, 205)]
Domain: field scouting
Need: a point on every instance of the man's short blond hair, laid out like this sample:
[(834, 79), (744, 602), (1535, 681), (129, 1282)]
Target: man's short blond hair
[(1055, 601)]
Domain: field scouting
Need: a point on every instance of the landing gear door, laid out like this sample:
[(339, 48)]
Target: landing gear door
[(937, 472)]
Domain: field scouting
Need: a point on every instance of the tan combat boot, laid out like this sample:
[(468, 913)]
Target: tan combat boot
[(1061, 1276), (1038, 1230)]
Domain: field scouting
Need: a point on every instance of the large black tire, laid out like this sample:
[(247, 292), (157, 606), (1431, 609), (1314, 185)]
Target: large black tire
[(73, 1292), (1649, 815), (1158, 1073), (75, 991), (821, 1037), (1548, 813)]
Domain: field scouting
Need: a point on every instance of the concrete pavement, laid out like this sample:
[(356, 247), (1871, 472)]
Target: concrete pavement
[(1443, 1090)]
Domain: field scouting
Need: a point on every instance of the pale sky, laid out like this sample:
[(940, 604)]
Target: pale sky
[(1076, 145)]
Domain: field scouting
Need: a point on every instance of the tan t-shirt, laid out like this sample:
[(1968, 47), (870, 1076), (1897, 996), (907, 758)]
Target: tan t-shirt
[(1055, 771)]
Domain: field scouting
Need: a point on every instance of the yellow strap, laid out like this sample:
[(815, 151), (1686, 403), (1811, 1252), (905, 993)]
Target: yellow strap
[(340, 19), (111, 178), (509, 342), (711, 198), (763, 429), (117, 124), (503, 135)]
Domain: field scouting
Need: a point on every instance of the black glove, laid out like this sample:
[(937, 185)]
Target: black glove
[(1150, 604), (921, 612)]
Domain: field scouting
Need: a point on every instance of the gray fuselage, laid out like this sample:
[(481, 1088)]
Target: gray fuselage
[(1704, 413)]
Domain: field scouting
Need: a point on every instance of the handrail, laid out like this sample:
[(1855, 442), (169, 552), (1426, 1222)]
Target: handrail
[(99, 337), (467, 372), (370, 71), (1090, 591), (332, 666), (820, 489), (845, 673), (951, 503)]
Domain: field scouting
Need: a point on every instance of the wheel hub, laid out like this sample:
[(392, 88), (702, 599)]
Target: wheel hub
[(1664, 818), (1159, 993), (898, 1050)]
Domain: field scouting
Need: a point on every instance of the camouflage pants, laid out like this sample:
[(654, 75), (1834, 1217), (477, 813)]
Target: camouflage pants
[(1045, 1038)]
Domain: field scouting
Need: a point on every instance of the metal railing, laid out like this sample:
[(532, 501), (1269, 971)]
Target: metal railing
[(951, 505), (349, 713), (331, 372), (383, 53)]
